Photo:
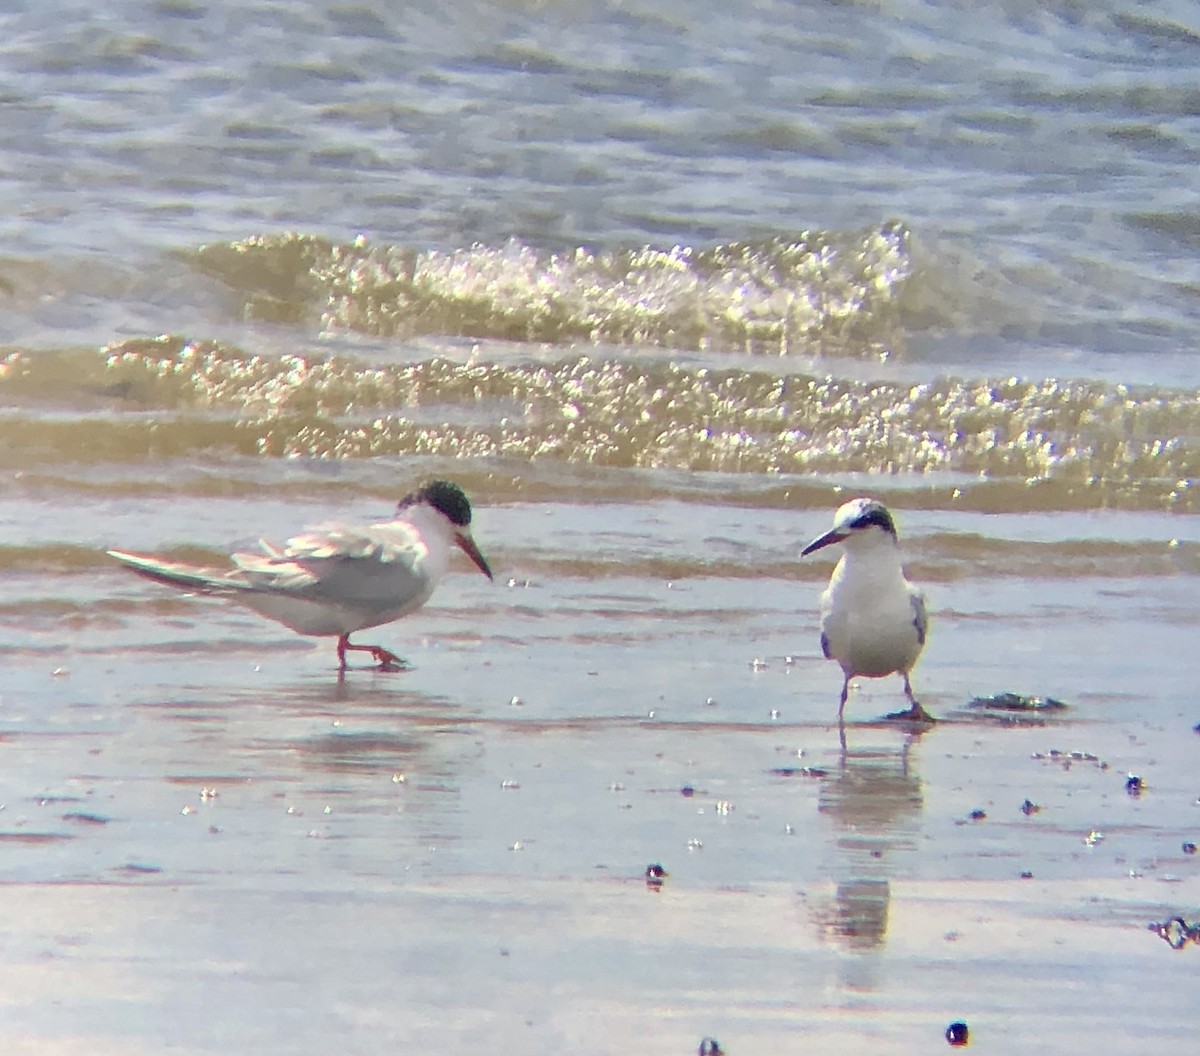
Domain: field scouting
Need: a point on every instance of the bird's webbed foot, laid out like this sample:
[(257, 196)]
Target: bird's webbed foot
[(914, 713)]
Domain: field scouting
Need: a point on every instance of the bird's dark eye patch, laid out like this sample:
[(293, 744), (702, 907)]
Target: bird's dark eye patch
[(875, 515)]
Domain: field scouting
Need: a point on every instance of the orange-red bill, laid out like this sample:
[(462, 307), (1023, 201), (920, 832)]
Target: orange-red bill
[(467, 544)]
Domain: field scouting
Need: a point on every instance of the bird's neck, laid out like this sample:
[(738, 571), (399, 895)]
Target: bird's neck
[(875, 563), (431, 525)]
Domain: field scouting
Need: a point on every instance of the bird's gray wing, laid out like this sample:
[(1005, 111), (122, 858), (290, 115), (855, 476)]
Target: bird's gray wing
[(393, 542), (178, 573), (920, 617), (826, 612), (272, 570), (343, 563)]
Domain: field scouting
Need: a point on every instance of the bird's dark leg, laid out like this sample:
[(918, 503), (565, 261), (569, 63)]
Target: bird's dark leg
[(388, 661), (842, 716), (915, 711)]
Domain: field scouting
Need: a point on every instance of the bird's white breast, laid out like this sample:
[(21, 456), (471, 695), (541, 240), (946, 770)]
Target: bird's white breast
[(867, 616)]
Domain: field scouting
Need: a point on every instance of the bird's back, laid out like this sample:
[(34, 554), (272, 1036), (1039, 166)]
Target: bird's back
[(336, 579), (372, 565)]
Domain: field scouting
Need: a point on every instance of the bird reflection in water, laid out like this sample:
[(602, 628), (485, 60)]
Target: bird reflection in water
[(874, 802)]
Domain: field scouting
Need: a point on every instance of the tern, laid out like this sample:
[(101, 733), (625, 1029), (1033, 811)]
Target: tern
[(873, 620), (336, 579)]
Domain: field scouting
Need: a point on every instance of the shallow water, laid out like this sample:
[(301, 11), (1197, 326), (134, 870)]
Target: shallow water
[(661, 286)]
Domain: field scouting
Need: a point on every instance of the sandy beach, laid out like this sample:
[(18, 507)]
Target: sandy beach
[(214, 845)]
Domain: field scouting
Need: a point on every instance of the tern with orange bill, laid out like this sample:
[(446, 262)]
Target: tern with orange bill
[(337, 579)]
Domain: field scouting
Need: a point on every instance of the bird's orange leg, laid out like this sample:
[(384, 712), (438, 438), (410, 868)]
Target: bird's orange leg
[(388, 661)]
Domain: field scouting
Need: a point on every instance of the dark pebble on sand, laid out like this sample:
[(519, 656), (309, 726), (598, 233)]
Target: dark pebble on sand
[(799, 771), (655, 875), (957, 1033), (1017, 702)]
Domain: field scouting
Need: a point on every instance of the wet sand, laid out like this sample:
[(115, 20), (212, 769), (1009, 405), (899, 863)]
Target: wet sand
[(212, 845)]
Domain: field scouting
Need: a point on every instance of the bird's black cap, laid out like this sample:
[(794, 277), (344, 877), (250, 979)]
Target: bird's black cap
[(444, 496), (875, 513)]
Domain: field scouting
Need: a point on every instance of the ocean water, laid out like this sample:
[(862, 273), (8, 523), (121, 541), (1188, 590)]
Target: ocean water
[(661, 284)]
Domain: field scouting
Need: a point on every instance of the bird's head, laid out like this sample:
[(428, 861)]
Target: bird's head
[(858, 523), (449, 500)]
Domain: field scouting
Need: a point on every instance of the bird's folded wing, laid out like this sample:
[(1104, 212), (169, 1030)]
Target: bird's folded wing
[(271, 572), (389, 543), (177, 573), (351, 565), (920, 616)]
